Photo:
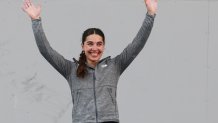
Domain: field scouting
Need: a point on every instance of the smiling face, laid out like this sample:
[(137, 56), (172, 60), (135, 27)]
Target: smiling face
[(93, 47)]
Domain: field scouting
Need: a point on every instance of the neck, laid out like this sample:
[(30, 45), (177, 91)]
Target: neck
[(92, 64)]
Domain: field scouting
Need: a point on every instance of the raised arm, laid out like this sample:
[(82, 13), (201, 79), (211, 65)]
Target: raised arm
[(132, 50), (62, 65)]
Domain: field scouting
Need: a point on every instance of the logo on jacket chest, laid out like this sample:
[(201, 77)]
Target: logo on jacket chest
[(104, 65)]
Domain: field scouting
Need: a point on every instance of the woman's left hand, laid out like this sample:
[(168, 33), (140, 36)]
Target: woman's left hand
[(151, 6)]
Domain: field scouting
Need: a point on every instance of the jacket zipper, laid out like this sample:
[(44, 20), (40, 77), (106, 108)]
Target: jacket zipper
[(96, 111)]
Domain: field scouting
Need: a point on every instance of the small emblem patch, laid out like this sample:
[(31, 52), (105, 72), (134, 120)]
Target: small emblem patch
[(104, 65)]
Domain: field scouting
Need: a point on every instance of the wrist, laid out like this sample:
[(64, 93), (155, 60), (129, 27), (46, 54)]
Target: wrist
[(35, 18), (151, 13)]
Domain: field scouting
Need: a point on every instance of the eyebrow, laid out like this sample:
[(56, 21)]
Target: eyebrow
[(96, 42)]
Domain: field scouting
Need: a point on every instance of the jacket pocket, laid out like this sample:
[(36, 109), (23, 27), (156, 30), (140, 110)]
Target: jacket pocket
[(77, 99), (112, 96), (110, 91)]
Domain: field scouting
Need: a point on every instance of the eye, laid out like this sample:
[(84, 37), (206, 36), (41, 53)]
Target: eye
[(99, 43), (89, 43)]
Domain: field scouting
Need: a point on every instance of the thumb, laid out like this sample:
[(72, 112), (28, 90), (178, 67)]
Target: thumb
[(147, 2), (39, 6), (23, 8)]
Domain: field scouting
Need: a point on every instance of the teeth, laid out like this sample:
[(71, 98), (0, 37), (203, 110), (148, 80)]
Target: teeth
[(94, 54)]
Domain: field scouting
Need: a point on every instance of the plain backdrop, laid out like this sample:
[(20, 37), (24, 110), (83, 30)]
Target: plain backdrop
[(173, 80)]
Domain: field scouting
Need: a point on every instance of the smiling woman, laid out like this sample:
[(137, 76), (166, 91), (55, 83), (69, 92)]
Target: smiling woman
[(93, 41), (93, 81)]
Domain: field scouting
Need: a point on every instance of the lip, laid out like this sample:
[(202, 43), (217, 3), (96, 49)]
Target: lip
[(94, 52)]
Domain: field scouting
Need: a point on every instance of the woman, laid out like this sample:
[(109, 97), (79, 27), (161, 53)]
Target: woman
[(93, 82)]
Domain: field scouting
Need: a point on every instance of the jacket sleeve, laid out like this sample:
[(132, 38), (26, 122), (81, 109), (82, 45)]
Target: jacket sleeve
[(62, 65), (132, 50)]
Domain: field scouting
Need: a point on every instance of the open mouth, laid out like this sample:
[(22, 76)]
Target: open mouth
[(94, 54)]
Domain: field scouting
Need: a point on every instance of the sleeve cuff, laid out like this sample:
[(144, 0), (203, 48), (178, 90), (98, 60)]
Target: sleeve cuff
[(36, 20), (152, 16)]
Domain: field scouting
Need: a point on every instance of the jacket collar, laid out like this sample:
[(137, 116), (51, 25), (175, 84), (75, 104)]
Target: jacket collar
[(104, 59)]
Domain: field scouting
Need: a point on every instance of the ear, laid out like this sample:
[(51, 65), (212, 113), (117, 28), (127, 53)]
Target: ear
[(82, 46), (104, 47)]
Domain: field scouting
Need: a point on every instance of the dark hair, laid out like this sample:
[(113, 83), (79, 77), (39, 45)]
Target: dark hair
[(81, 70)]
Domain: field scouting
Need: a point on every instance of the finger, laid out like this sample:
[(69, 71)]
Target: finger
[(39, 6), (24, 8), (28, 2), (155, 1), (147, 1), (25, 5)]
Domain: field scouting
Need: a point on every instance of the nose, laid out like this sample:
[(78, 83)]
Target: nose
[(94, 47)]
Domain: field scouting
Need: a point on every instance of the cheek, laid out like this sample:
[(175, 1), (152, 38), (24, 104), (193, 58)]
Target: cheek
[(102, 48), (86, 48)]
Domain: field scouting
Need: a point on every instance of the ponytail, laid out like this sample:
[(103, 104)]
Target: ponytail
[(81, 70)]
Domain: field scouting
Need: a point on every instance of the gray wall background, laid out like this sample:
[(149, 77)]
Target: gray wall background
[(173, 80)]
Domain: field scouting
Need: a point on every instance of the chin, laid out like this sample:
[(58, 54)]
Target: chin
[(95, 60)]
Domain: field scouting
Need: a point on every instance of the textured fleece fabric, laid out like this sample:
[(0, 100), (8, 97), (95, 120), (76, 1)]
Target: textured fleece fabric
[(94, 97)]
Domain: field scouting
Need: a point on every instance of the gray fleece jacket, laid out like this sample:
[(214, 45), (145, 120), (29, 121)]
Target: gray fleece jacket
[(94, 97)]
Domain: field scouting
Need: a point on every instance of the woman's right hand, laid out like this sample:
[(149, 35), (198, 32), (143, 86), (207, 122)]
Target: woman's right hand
[(31, 10)]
